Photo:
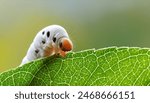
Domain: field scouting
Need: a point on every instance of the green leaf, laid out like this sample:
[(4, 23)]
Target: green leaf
[(108, 66)]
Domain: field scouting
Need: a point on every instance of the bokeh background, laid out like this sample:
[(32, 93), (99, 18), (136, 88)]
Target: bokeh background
[(90, 24)]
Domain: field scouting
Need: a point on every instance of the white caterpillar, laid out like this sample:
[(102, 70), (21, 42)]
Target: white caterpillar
[(49, 41)]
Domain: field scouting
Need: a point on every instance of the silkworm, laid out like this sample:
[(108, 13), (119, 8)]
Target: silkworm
[(49, 41)]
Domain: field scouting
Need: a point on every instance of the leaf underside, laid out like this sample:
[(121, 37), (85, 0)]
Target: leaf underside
[(109, 66)]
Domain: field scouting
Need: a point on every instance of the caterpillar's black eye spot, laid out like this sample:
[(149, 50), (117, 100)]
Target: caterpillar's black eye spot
[(43, 42), (43, 32), (36, 51), (60, 45), (48, 34), (54, 39)]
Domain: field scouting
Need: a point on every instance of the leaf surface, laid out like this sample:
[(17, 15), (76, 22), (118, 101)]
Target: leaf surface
[(109, 66)]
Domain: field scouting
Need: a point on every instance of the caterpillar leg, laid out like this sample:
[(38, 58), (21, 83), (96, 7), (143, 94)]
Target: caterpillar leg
[(62, 53), (58, 51)]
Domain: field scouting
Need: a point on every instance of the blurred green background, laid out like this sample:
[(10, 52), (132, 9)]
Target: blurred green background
[(90, 24)]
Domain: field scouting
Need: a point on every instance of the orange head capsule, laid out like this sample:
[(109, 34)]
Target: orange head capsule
[(66, 44)]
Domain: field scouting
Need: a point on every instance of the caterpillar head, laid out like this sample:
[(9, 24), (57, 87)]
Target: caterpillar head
[(61, 39), (65, 44)]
